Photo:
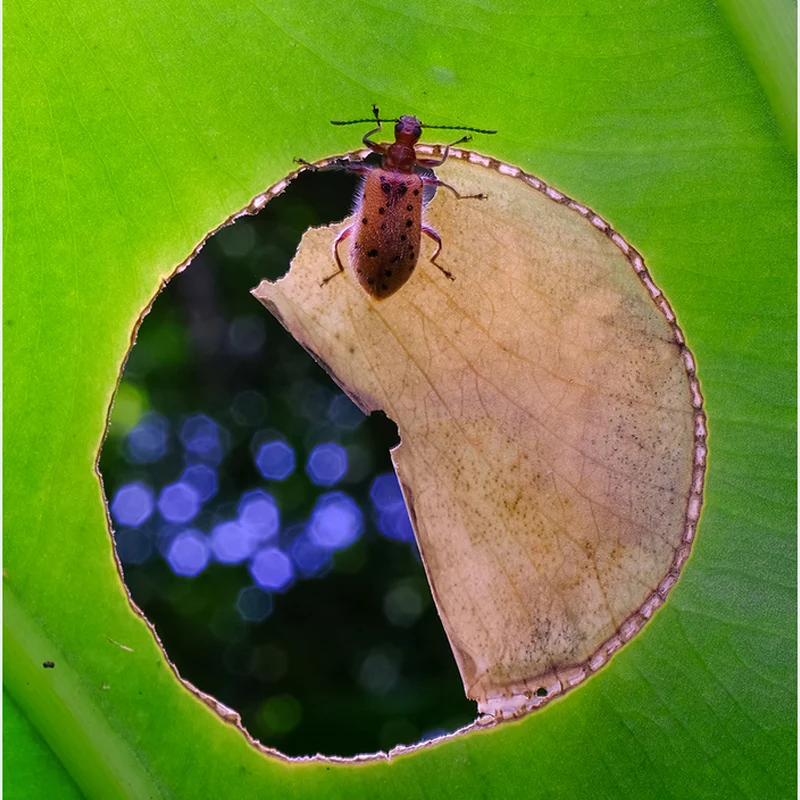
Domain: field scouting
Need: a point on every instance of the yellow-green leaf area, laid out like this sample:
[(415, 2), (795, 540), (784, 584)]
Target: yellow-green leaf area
[(132, 130)]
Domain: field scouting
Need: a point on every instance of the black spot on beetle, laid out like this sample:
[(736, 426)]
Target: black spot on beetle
[(370, 281), (403, 237), (384, 286), (409, 223), (364, 220), (402, 189), (416, 191), (383, 226), (386, 187), (372, 253), (387, 273), (381, 210), (395, 259), (409, 208)]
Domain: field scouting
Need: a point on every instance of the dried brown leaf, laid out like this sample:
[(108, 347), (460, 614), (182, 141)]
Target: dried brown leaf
[(553, 441)]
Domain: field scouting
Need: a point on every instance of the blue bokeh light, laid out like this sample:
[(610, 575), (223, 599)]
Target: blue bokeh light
[(231, 542), (385, 492), (202, 438), (246, 335), (258, 514), (394, 523), (188, 554), (132, 504), (327, 464), (179, 502), (344, 413), (311, 560), (336, 521), (253, 604), (203, 478), (272, 569), (133, 546), (275, 460), (166, 536), (391, 514), (147, 441)]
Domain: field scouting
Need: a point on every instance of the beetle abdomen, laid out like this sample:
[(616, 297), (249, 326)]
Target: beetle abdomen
[(386, 241)]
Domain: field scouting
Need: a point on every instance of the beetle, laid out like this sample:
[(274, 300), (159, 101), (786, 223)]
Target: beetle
[(385, 237)]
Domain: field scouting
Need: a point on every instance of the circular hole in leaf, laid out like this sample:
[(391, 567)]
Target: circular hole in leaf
[(553, 457)]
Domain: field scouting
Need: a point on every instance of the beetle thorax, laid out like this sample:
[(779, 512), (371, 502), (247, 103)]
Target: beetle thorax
[(400, 157)]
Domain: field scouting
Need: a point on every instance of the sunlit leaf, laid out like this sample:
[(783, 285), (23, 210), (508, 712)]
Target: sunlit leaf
[(132, 130)]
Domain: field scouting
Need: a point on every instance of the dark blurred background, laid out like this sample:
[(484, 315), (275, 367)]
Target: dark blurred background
[(257, 515)]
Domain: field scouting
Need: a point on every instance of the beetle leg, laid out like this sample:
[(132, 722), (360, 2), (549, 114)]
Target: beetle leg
[(432, 162), (426, 229), (345, 234), (436, 182), (376, 147)]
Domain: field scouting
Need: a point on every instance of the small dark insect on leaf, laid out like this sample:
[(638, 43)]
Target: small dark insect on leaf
[(48, 664)]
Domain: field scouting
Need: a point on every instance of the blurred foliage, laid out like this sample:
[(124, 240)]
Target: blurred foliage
[(327, 671)]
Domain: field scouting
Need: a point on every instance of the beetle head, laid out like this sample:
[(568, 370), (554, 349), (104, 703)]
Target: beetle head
[(407, 130)]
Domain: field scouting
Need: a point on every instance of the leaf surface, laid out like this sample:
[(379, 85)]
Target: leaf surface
[(132, 130)]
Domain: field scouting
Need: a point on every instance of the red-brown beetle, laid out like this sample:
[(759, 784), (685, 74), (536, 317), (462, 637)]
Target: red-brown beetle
[(388, 227)]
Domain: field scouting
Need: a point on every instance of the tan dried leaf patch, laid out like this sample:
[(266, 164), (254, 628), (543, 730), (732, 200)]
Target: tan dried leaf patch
[(553, 439)]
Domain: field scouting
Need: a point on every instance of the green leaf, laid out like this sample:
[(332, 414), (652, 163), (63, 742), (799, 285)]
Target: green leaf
[(133, 130), (30, 768), (770, 45)]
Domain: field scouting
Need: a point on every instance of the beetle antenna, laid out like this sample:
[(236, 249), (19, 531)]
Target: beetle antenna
[(355, 121), (459, 128)]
